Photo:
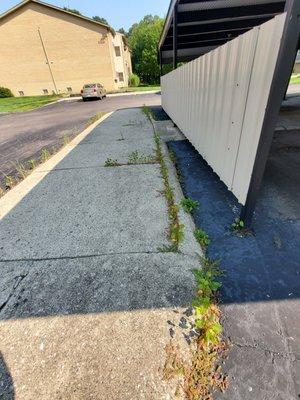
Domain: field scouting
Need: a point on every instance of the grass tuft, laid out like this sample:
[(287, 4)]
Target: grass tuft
[(202, 237), (189, 205)]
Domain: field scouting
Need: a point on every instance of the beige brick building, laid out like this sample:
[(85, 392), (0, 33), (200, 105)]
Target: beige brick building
[(45, 49)]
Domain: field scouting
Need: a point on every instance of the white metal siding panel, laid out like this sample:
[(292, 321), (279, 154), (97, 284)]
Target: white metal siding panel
[(218, 101), (263, 69)]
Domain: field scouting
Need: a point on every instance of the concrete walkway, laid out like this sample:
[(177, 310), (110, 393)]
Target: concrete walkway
[(85, 291)]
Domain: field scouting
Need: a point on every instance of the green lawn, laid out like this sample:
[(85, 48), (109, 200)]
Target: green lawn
[(25, 103), (137, 89), (295, 78)]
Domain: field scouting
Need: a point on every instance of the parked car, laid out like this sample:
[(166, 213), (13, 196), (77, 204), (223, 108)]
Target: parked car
[(93, 91)]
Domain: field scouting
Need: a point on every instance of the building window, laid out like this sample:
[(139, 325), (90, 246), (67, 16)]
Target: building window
[(121, 76), (69, 89), (118, 51), (21, 93), (45, 91)]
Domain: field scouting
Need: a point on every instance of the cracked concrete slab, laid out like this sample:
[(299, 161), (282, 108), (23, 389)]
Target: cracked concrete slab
[(88, 211), (130, 124), (255, 374), (93, 328), (95, 154), (110, 283)]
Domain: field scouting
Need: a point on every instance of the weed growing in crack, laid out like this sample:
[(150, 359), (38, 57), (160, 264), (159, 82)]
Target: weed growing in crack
[(22, 170), (95, 118), (146, 110), (10, 182), (176, 229), (238, 227), (172, 248), (111, 163), (136, 158), (45, 155), (202, 237), (201, 375), (66, 140), (32, 163), (189, 205)]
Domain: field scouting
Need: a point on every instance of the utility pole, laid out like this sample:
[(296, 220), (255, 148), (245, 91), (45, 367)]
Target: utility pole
[(47, 60)]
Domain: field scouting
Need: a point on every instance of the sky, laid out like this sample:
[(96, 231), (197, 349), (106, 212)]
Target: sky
[(119, 13)]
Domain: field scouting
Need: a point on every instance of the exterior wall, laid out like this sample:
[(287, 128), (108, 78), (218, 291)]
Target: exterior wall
[(122, 62), (219, 101), (78, 50)]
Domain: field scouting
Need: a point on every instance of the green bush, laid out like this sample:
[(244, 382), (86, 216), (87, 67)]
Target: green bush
[(134, 80), (5, 92)]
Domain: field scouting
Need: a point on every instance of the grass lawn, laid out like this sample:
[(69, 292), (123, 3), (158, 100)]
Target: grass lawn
[(137, 89), (295, 78), (10, 104)]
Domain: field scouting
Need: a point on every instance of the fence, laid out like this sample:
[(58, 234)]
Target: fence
[(219, 99)]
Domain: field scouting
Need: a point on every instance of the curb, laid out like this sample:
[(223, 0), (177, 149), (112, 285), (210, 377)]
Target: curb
[(18, 192)]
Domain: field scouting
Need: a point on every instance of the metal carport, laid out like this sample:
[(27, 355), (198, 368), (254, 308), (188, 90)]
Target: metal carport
[(194, 28)]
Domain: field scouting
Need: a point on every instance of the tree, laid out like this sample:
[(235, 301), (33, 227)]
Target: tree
[(100, 19), (122, 30), (143, 39), (72, 10)]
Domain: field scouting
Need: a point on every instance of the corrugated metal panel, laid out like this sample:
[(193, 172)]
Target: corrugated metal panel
[(219, 100)]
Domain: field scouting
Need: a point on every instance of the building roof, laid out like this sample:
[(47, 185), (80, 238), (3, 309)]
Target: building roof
[(203, 25), (24, 2)]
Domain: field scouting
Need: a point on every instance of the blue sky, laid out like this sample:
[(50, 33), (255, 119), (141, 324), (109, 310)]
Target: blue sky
[(119, 13)]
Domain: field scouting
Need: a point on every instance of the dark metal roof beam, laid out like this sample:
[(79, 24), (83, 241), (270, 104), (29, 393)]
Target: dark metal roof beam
[(228, 35), (189, 6), (230, 13), (191, 45), (218, 27)]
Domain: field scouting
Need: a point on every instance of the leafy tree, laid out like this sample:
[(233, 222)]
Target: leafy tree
[(100, 19), (143, 39), (72, 10), (122, 30)]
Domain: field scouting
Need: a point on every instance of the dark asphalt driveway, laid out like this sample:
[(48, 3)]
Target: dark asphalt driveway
[(24, 135)]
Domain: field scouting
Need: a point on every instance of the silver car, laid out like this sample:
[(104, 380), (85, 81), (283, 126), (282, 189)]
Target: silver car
[(93, 91)]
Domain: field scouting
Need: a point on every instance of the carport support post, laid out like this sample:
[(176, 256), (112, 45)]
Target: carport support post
[(175, 35), (286, 57)]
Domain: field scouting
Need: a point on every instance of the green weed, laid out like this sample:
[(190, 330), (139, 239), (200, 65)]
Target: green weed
[(32, 163), (45, 155), (95, 118), (66, 140), (136, 158), (237, 225), (9, 182), (111, 163), (202, 237), (23, 172), (172, 248), (189, 205), (176, 230), (201, 375)]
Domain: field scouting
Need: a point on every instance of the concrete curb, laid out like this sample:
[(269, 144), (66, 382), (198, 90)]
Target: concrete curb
[(18, 192)]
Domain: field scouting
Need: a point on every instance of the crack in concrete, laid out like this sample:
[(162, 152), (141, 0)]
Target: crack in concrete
[(288, 356), (95, 167), (19, 279), (90, 256)]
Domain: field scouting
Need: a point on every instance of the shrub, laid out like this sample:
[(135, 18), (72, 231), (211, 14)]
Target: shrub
[(134, 80), (5, 92)]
